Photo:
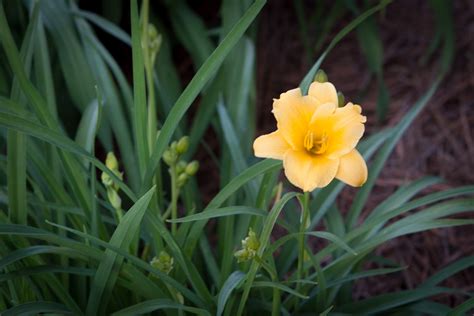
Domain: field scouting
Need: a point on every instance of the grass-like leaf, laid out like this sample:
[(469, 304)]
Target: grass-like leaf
[(108, 269), (205, 72)]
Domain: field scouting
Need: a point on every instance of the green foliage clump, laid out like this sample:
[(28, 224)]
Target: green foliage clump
[(135, 239)]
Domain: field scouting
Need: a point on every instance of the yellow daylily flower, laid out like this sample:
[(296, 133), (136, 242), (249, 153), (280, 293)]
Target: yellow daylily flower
[(315, 138)]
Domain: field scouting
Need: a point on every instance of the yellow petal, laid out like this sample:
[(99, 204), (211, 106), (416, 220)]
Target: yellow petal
[(293, 113), (323, 111), (352, 169), (323, 92), (307, 171), (271, 145), (346, 131)]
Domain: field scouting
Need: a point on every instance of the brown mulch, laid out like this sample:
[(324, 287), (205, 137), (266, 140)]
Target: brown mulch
[(440, 142)]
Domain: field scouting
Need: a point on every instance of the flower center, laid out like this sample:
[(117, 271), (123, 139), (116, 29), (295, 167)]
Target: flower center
[(315, 145)]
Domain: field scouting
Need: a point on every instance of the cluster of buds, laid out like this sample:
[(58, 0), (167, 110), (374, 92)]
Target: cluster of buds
[(249, 249), (152, 40), (322, 77), (164, 262), (183, 169), (112, 187)]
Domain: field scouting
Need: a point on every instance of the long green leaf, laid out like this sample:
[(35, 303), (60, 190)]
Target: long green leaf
[(52, 137), (463, 308), (36, 308), (219, 212), (308, 79), (17, 142), (158, 304), (13, 229), (37, 250), (233, 281), (236, 183), (264, 240), (279, 286), (385, 302), (108, 269), (448, 271), (376, 168), (198, 82), (105, 25)]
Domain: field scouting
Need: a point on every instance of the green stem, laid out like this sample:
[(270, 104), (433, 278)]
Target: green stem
[(276, 302), (174, 198), (152, 120), (301, 238)]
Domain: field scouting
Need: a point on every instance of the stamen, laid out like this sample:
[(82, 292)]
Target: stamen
[(308, 141), (315, 145)]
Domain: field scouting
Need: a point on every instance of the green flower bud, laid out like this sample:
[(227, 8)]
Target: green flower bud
[(181, 167), (340, 99), (243, 255), (321, 76), (173, 146), (106, 179), (169, 157), (114, 198), (154, 42), (249, 249), (183, 145), (192, 168), (182, 179), (251, 242), (164, 262), (111, 161)]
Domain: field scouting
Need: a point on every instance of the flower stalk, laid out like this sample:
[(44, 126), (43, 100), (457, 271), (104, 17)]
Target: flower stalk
[(180, 172), (301, 237)]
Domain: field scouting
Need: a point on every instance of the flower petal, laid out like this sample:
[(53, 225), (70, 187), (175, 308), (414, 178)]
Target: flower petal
[(352, 169), (323, 111), (293, 113), (307, 171), (323, 92), (271, 145), (346, 131)]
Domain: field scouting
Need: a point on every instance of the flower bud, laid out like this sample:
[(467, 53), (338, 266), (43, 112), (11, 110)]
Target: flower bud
[(114, 198), (192, 168), (164, 262), (169, 157), (155, 39), (182, 179), (321, 76), (106, 179), (180, 167), (340, 99), (249, 249), (243, 255), (251, 242), (173, 146), (154, 42), (111, 161), (183, 145)]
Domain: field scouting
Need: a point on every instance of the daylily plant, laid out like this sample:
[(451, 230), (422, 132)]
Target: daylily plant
[(315, 138)]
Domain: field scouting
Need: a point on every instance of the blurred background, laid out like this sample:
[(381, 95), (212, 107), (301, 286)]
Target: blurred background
[(385, 65)]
